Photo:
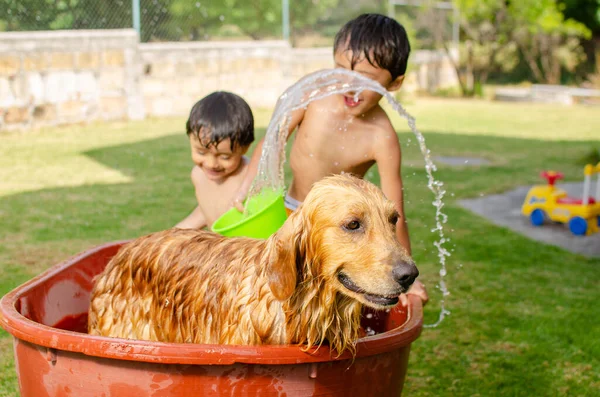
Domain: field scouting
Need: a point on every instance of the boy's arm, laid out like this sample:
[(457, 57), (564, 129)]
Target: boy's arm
[(195, 220), (416, 289), (389, 159), (240, 196)]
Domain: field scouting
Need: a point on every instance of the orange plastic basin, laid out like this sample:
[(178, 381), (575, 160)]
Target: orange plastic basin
[(54, 356)]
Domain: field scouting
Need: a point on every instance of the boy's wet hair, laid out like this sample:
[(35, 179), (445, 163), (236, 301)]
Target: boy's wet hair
[(219, 116), (379, 39)]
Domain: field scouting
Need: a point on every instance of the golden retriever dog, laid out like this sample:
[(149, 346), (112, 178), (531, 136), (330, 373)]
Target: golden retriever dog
[(306, 284)]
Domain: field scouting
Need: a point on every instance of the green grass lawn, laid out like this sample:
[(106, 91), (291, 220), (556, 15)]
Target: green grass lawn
[(525, 316)]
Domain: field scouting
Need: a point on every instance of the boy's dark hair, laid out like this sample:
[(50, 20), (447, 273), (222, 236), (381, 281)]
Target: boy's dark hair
[(380, 39), (222, 115)]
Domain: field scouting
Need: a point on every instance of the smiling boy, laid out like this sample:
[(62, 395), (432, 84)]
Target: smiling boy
[(220, 129)]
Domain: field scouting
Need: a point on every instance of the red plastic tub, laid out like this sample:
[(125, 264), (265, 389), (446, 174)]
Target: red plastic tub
[(54, 356)]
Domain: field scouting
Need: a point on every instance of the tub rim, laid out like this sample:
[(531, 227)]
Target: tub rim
[(30, 331)]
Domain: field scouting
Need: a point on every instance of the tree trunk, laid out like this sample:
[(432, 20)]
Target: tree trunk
[(463, 89), (469, 73), (556, 68), (529, 53), (546, 58)]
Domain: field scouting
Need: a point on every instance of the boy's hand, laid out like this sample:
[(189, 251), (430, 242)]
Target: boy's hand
[(195, 220), (416, 289), (238, 200)]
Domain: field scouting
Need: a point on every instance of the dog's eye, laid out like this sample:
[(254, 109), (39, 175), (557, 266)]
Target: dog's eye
[(353, 225), (394, 219)]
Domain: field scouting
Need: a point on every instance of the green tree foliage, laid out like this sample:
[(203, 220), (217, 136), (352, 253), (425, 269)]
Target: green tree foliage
[(548, 42), (584, 11), (496, 32), (202, 19), (175, 20), (486, 45), (26, 15)]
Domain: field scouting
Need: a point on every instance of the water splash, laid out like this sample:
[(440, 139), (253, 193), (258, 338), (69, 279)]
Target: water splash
[(317, 86)]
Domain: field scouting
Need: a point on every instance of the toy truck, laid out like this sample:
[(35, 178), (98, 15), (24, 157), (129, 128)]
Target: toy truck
[(549, 203)]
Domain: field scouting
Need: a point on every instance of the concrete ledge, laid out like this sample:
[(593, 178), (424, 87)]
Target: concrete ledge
[(543, 93), (72, 40), (210, 45)]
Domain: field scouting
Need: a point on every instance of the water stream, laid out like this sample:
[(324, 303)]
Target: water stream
[(319, 85)]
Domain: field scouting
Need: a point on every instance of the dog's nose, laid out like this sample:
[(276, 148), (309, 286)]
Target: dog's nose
[(405, 273)]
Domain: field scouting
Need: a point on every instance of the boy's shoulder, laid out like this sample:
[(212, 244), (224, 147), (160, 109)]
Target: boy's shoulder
[(379, 118), (385, 143), (197, 175), (377, 124), (329, 103)]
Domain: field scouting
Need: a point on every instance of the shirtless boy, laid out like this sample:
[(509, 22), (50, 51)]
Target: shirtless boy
[(220, 129), (338, 134)]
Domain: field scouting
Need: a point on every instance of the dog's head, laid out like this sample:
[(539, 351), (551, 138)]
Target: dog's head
[(344, 235)]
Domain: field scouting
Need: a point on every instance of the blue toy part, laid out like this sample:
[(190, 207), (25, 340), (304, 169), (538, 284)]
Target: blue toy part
[(537, 200), (537, 217), (578, 226)]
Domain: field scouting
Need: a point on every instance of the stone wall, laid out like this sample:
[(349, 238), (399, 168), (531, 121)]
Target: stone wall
[(430, 71), (61, 77), (176, 75)]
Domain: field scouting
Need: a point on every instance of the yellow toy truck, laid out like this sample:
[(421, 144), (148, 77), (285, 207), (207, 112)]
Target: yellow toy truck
[(547, 202)]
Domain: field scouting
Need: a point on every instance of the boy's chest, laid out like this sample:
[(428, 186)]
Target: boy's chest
[(345, 145), (215, 200)]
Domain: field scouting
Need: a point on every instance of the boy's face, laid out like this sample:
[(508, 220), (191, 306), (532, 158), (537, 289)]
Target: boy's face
[(217, 162), (366, 99)]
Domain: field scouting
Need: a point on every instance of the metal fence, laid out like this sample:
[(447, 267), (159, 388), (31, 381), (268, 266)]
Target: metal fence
[(430, 23), (28, 15), (305, 22)]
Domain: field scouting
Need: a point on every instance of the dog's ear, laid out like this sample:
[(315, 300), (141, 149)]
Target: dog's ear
[(285, 254)]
